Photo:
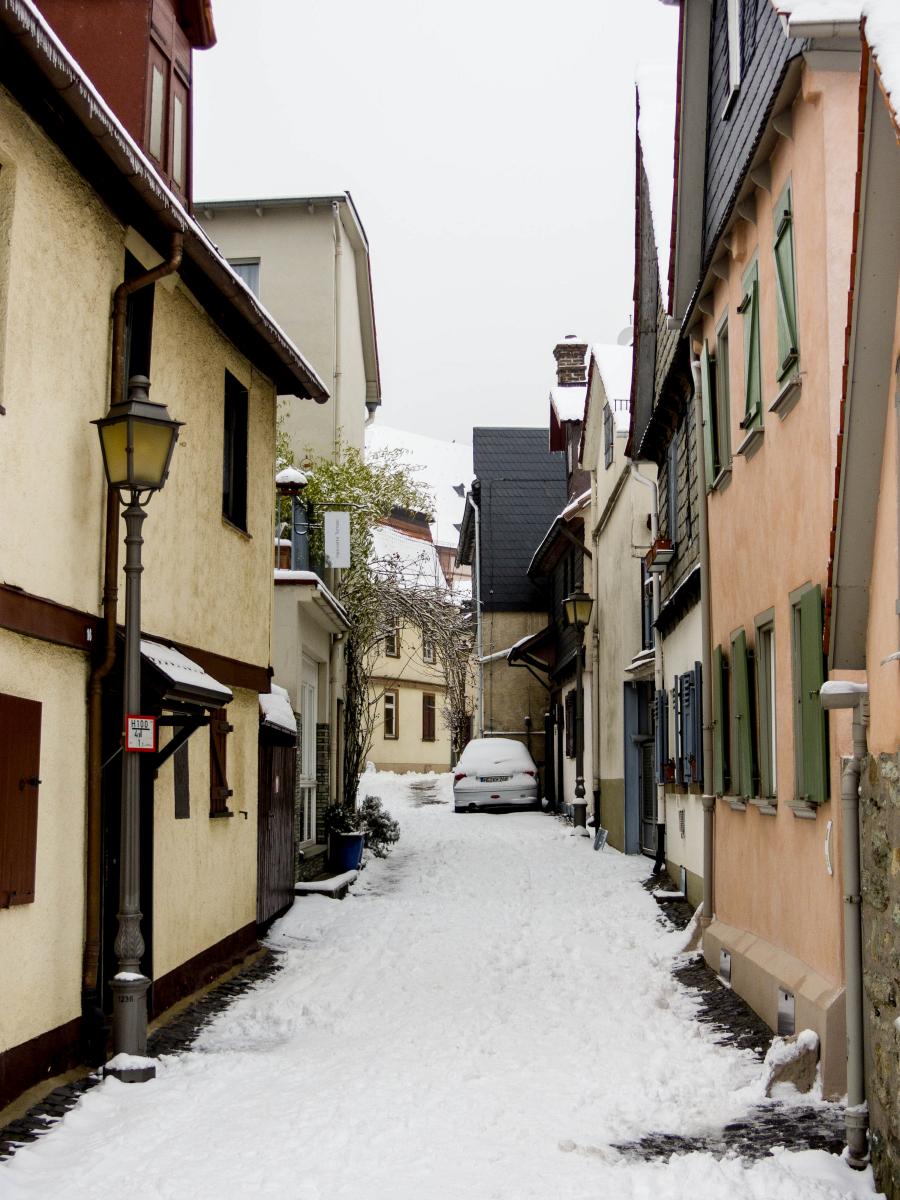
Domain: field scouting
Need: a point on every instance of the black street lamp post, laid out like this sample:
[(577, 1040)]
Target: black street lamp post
[(137, 437), (578, 608)]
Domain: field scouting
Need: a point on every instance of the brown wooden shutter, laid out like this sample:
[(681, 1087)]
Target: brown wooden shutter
[(219, 791), (428, 709), (20, 760)]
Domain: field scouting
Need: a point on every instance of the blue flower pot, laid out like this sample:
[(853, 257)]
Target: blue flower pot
[(345, 851)]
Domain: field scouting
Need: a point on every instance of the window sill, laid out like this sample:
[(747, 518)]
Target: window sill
[(766, 805), (236, 528), (787, 397), (803, 810), (217, 816), (735, 804), (751, 442), (722, 480)]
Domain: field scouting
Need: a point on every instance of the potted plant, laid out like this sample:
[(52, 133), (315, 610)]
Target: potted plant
[(379, 827), (345, 837)]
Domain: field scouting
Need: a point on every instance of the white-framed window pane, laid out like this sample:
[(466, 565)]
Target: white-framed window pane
[(157, 104), (179, 120)]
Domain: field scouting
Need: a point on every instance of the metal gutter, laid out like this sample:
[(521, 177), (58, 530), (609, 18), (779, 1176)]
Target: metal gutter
[(289, 370)]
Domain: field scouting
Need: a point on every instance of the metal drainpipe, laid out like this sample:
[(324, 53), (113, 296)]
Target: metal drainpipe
[(91, 958), (856, 1118), (479, 649), (709, 799), (338, 365), (657, 642)]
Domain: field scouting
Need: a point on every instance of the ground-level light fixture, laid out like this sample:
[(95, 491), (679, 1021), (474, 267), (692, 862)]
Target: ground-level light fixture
[(137, 437)]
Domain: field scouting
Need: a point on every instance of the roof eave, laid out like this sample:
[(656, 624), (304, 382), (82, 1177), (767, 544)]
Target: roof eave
[(277, 356)]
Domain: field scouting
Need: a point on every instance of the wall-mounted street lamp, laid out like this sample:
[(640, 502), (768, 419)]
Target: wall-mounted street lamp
[(137, 437), (578, 607), (290, 482)]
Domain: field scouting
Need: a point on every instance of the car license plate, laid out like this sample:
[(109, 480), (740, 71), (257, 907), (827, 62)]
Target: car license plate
[(493, 778)]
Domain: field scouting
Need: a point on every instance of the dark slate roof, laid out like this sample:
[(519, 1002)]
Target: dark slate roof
[(731, 142), (523, 489)]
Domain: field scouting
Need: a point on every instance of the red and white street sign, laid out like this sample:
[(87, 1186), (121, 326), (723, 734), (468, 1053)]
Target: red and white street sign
[(140, 734)]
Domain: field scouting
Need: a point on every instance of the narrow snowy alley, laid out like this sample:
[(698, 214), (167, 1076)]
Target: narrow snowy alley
[(485, 1016)]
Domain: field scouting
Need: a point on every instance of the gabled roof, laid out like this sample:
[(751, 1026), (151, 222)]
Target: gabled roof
[(353, 226), (521, 488), (50, 85)]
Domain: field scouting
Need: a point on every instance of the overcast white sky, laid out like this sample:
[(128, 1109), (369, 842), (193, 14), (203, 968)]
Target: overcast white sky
[(489, 148)]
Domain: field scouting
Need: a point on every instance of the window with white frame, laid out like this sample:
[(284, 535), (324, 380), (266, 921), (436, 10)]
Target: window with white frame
[(765, 706), (391, 722)]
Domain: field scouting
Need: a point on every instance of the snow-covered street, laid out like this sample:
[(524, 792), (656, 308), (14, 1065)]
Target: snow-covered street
[(483, 1017)]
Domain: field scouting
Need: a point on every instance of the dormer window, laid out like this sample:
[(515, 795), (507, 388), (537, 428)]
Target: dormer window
[(167, 131), (138, 54)]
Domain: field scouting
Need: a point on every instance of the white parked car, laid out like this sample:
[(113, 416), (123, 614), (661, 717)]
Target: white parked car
[(495, 773)]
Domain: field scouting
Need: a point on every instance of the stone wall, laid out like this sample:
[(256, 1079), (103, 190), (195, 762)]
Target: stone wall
[(880, 865)]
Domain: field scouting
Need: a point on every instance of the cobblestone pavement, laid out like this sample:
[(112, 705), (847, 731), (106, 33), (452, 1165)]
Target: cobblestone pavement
[(425, 793), (174, 1037), (769, 1125)]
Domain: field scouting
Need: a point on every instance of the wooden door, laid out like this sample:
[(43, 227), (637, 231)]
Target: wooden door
[(275, 856)]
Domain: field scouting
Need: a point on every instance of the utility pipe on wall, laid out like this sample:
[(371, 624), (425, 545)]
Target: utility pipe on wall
[(338, 363), (843, 694), (479, 650), (657, 652), (709, 799), (91, 957)]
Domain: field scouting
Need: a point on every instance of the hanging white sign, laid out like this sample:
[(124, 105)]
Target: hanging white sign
[(337, 539)]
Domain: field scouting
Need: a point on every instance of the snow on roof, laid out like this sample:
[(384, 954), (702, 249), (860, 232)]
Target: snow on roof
[(288, 576), (575, 505), (820, 10), (569, 402), (614, 365), (444, 467), (656, 129), (178, 668), (883, 36), (414, 560), (275, 707)]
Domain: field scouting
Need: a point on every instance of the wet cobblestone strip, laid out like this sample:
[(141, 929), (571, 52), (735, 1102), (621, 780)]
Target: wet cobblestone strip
[(174, 1037), (768, 1125)]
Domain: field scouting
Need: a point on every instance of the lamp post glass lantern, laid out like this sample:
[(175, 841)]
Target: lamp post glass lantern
[(137, 438), (578, 607)]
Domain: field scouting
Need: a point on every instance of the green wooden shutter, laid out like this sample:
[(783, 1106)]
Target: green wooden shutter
[(720, 722), (709, 417), (785, 285), (743, 715), (749, 307), (812, 715)]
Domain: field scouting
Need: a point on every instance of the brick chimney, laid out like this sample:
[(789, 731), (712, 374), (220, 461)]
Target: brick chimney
[(570, 365)]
